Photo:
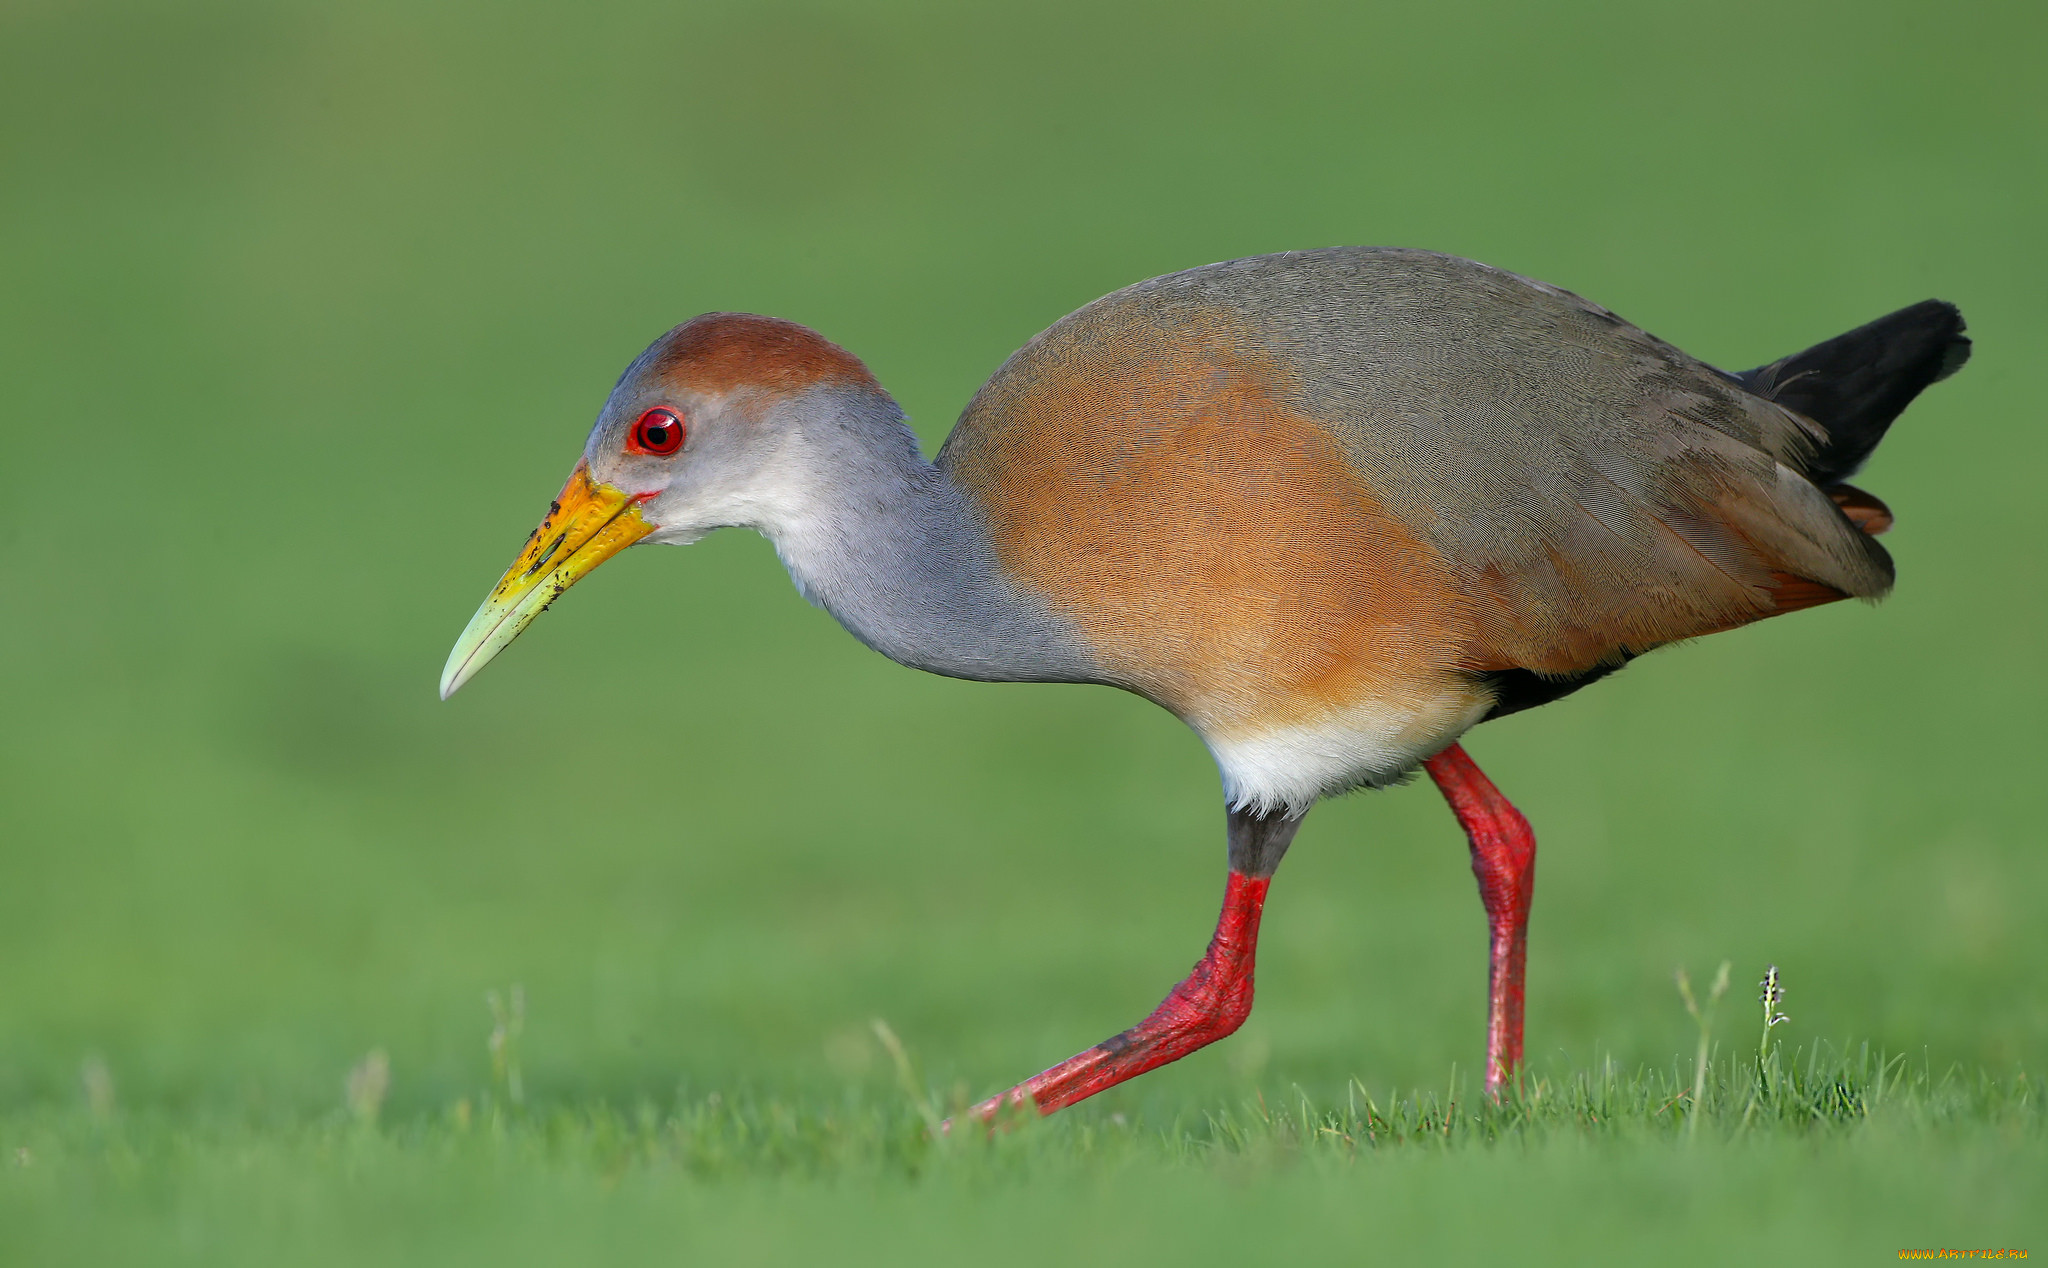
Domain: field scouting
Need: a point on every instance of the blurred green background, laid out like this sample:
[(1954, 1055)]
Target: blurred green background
[(305, 309)]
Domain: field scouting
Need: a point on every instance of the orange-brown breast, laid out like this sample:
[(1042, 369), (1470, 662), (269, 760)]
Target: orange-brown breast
[(1211, 543)]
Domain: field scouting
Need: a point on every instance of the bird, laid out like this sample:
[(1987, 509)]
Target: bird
[(1331, 508)]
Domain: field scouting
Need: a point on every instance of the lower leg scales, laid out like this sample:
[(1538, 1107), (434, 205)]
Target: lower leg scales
[(1211, 1003), (1504, 861)]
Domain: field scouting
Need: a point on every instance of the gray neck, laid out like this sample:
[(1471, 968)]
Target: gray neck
[(888, 544)]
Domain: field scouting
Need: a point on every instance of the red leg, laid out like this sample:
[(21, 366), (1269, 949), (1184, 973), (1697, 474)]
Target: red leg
[(1213, 1001), (1504, 860)]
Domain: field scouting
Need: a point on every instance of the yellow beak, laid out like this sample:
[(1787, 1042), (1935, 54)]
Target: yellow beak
[(588, 524)]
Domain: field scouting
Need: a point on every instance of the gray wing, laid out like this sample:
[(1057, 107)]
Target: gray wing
[(1597, 491)]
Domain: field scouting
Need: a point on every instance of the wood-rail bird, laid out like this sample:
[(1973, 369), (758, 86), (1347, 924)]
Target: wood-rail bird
[(1331, 508)]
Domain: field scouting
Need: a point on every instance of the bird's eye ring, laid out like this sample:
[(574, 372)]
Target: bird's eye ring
[(659, 432)]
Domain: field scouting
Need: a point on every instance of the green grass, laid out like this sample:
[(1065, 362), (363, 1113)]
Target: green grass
[(1826, 1153), (1844, 1156), (304, 309)]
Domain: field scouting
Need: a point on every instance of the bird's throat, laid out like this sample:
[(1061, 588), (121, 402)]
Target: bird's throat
[(890, 546)]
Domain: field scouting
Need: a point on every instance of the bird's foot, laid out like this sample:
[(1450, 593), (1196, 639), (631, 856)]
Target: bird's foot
[(1213, 1001)]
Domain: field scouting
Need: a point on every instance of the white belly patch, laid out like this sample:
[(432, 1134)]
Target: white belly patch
[(1361, 746)]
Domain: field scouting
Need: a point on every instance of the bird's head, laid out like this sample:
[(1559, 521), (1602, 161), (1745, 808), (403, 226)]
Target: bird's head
[(699, 433)]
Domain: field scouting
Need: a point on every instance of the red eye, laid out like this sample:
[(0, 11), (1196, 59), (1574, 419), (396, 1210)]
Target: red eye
[(659, 432)]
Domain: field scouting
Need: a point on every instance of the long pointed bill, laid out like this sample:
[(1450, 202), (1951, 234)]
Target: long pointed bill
[(588, 524)]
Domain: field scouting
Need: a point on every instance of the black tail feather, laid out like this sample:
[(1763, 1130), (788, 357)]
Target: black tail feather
[(1854, 385)]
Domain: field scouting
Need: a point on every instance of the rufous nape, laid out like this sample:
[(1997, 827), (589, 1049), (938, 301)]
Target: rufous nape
[(1331, 508)]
